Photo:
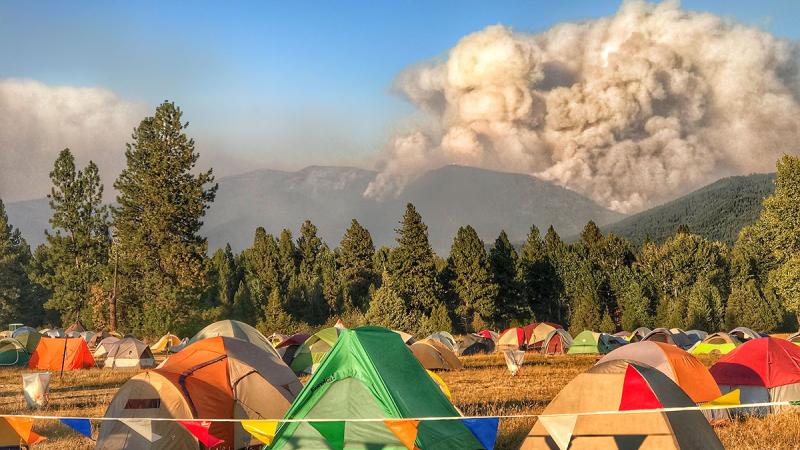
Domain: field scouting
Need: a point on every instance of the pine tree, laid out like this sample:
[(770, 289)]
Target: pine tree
[(263, 264), (223, 280), (77, 251), (276, 320), (357, 266), (503, 261), (439, 320), (702, 305), (387, 309), (332, 287), (607, 324), (412, 267), (591, 234), (288, 258), (584, 291), (537, 279), (473, 282), (161, 202), (636, 299), (14, 283), (309, 250)]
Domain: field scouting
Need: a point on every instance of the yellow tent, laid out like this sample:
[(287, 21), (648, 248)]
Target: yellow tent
[(165, 343)]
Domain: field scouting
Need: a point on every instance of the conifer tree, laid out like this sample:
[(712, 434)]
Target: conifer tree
[(607, 324), (503, 261), (161, 203), (357, 266), (703, 305), (223, 279), (473, 283), (77, 250), (15, 286), (263, 266), (288, 257), (412, 267), (439, 320), (276, 320), (387, 309), (537, 279)]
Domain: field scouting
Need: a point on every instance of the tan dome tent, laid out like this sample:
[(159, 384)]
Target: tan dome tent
[(129, 353), (539, 333), (433, 355), (445, 338), (216, 378), (104, 345), (408, 339), (744, 334), (639, 333), (617, 386), (677, 338), (97, 337), (238, 330)]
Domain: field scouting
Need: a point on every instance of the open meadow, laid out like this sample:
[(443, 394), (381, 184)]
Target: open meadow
[(484, 387)]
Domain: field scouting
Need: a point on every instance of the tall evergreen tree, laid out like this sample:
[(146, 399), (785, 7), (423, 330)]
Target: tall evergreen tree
[(224, 280), (15, 288), (77, 250), (311, 299), (503, 261), (537, 278), (387, 309), (473, 282), (412, 267), (262, 268), (288, 258), (161, 202), (356, 262)]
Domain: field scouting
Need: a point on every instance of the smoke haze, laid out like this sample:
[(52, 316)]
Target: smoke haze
[(631, 110)]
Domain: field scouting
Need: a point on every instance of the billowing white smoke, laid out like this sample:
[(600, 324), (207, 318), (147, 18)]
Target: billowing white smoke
[(37, 121), (631, 110)]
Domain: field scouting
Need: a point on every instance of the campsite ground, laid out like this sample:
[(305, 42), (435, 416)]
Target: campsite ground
[(484, 387)]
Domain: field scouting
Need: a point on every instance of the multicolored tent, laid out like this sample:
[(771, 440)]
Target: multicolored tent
[(166, 343), (235, 329), (672, 337), (682, 368), (433, 355), (538, 333), (557, 342), (512, 339), (473, 344), (488, 334), (311, 352), (370, 373), (619, 386), (215, 378), (591, 342), (718, 343), (288, 347), (61, 354), (13, 353), (764, 370)]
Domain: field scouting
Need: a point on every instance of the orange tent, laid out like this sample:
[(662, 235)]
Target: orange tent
[(61, 353), (684, 369)]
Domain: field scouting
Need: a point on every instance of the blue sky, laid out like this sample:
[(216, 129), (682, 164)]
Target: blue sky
[(281, 83)]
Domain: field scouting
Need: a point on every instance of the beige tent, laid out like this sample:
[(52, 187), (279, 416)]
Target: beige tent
[(238, 330), (104, 345), (166, 343), (433, 355), (129, 353), (622, 385), (216, 378)]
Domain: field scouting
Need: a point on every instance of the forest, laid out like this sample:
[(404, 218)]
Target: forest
[(141, 266)]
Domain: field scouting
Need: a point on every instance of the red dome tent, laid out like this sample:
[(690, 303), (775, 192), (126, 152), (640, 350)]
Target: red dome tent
[(764, 369)]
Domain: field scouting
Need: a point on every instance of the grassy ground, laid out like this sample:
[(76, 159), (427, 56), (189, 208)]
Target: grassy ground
[(484, 387)]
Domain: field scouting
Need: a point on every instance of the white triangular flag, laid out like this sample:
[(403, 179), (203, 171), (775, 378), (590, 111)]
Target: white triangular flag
[(144, 427), (560, 428), (514, 360)]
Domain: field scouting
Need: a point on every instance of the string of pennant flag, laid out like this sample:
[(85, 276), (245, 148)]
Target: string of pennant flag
[(484, 428)]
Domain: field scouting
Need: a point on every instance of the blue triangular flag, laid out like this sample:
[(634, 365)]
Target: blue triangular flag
[(82, 426), (484, 430)]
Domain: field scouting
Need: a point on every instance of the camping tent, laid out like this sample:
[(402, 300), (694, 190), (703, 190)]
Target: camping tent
[(590, 342), (97, 337), (696, 335), (289, 346), (557, 342), (276, 338), (676, 337), (22, 330), (682, 368), (104, 345), (166, 343), (53, 333), (539, 332), (512, 339), (87, 336), (433, 355), (624, 335), (235, 329), (129, 353), (488, 334), (408, 339), (13, 353), (370, 373), (718, 343), (639, 333), (75, 328), (764, 370), (473, 344), (29, 340), (794, 338), (623, 385), (445, 338), (215, 378), (744, 334), (310, 353), (61, 353)]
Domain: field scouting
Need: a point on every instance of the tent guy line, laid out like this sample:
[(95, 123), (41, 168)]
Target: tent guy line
[(509, 416)]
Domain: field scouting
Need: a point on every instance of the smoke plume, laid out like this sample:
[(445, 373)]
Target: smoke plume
[(37, 121), (630, 110)]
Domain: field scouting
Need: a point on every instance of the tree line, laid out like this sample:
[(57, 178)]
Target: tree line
[(142, 266)]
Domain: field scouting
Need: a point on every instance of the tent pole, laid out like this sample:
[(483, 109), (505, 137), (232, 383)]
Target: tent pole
[(63, 357)]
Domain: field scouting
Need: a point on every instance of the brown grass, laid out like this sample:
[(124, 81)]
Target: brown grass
[(484, 387)]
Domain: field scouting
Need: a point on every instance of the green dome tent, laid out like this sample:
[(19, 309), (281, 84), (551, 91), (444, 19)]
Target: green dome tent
[(311, 352), (370, 373), (13, 353)]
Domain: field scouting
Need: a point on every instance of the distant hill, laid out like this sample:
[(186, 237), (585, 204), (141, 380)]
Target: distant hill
[(330, 197), (717, 211)]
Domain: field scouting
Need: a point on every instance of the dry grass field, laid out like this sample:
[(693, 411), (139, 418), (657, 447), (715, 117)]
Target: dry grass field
[(484, 387)]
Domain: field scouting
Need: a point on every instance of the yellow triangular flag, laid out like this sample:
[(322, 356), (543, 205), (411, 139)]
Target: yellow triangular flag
[(263, 430), (732, 398), (560, 429)]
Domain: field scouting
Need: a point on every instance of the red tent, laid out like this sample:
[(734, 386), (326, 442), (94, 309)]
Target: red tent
[(488, 334), (62, 354), (295, 339), (512, 338), (767, 362)]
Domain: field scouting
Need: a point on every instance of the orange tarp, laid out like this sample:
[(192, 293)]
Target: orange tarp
[(57, 353)]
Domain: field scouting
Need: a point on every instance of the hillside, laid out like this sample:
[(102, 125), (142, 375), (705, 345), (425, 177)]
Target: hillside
[(330, 197), (717, 211)]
